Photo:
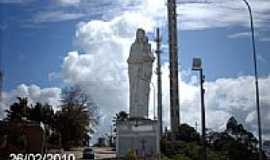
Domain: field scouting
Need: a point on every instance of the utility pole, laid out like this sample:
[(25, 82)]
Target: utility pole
[(159, 81), (1, 83), (174, 95), (196, 126), (1, 77)]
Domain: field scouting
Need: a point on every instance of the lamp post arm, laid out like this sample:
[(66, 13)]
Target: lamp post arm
[(154, 92), (256, 79)]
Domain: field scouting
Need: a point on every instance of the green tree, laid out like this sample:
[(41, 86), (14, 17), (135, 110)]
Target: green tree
[(42, 113), (121, 116), (131, 155), (187, 146), (180, 157), (18, 110), (187, 133), (235, 142), (77, 117)]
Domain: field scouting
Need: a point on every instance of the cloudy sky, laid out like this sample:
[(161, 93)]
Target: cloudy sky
[(46, 45)]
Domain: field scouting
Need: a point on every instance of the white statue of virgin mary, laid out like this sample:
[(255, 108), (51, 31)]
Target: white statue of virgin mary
[(140, 63)]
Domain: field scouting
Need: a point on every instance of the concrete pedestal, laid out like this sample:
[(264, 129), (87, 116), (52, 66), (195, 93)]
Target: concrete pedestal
[(138, 135)]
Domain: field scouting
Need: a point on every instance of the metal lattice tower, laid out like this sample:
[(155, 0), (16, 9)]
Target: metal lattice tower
[(174, 94), (159, 81)]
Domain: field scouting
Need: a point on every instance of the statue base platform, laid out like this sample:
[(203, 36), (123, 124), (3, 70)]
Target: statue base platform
[(138, 135)]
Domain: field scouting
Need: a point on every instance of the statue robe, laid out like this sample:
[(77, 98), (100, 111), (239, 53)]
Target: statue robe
[(140, 63)]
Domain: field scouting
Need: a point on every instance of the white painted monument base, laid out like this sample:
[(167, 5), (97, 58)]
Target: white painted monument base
[(138, 135)]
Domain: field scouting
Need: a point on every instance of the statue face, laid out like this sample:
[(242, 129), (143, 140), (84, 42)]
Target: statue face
[(140, 35)]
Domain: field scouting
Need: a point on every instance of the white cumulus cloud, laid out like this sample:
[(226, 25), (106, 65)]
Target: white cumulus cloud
[(34, 94), (68, 2), (56, 16), (224, 98)]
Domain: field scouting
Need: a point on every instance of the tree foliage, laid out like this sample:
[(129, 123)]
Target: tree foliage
[(73, 123), (42, 113), (18, 110), (121, 116), (234, 143), (187, 133), (22, 111), (77, 117)]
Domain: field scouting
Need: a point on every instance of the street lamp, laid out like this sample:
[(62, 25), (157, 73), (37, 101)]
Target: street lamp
[(197, 66), (154, 92), (256, 79)]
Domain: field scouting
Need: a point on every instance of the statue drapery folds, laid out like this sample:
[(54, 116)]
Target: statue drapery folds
[(140, 63)]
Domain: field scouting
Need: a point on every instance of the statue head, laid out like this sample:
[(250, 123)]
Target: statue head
[(140, 35)]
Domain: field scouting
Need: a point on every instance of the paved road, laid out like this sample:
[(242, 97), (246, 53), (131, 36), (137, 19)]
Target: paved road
[(104, 152), (100, 152)]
